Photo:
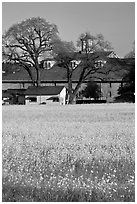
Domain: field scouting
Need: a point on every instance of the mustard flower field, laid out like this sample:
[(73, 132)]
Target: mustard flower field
[(68, 153)]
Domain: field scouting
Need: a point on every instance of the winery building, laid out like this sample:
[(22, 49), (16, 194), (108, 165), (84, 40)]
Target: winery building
[(17, 78)]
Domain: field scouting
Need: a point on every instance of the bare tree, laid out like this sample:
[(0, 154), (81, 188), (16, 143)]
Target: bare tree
[(26, 42), (84, 61)]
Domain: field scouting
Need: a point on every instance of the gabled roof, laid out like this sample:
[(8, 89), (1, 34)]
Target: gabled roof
[(44, 90)]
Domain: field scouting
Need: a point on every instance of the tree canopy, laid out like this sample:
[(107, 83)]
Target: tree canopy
[(96, 43), (127, 91), (92, 90), (27, 42), (61, 46)]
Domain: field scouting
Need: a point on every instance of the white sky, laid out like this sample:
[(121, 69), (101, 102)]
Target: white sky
[(115, 20)]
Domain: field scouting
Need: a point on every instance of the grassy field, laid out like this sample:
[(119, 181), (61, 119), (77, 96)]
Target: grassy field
[(68, 153)]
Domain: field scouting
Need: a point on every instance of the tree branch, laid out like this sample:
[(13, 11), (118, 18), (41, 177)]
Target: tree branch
[(16, 46)]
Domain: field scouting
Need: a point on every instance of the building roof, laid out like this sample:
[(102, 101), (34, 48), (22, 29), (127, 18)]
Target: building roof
[(44, 90), (56, 73), (99, 54), (115, 69)]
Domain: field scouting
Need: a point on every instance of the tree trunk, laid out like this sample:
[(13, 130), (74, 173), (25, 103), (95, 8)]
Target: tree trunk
[(70, 90), (33, 81), (28, 69), (73, 95), (38, 81), (72, 99), (37, 73)]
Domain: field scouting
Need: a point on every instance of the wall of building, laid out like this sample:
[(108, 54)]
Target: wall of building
[(109, 91), (43, 99), (39, 100), (62, 96), (6, 86)]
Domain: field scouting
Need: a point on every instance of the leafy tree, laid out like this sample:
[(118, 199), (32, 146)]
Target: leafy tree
[(92, 90), (26, 43), (63, 46), (127, 91), (86, 62)]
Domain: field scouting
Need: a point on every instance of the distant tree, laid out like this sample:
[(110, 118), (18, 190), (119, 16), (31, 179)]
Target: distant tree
[(26, 42), (92, 90), (131, 54), (97, 43), (87, 62), (61, 46), (127, 91)]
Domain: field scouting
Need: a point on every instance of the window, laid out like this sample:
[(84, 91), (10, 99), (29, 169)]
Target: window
[(98, 64), (48, 65), (45, 64), (73, 64), (32, 99)]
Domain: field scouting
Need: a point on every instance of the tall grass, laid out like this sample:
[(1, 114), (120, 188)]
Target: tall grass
[(68, 153)]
